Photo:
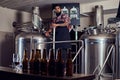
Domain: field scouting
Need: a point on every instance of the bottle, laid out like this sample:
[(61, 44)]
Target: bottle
[(32, 62), (69, 64), (65, 10), (25, 62), (37, 61), (51, 64), (44, 63), (73, 13), (59, 64)]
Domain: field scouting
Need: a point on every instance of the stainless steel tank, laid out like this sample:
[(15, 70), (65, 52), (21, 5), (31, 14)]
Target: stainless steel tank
[(30, 36), (29, 41), (97, 43), (117, 64), (96, 48)]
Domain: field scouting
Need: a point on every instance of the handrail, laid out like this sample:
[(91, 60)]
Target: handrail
[(66, 42), (54, 30), (78, 51)]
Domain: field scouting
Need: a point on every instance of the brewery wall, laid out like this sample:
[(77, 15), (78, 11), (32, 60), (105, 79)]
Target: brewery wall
[(110, 11), (7, 16), (107, 4), (86, 21), (86, 11)]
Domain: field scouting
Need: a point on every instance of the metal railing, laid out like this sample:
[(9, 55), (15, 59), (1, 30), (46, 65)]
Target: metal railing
[(69, 41)]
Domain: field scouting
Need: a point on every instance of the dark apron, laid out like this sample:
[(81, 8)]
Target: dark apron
[(62, 34)]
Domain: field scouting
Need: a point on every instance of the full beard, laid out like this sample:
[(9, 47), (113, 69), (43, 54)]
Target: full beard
[(58, 14)]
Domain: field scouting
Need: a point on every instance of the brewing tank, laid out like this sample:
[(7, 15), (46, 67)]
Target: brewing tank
[(30, 35), (29, 41), (117, 64), (96, 47)]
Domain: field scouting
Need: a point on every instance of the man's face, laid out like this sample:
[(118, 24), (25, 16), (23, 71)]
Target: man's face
[(57, 9)]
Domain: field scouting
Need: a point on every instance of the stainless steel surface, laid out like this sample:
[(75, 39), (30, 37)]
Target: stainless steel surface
[(99, 19), (92, 30), (29, 41), (117, 66), (36, 19), (96, 51), (96, 47), (78, 51), (110, 53)]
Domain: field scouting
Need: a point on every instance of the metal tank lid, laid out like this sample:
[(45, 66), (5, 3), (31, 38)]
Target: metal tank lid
[(100, 39), (102, 36)]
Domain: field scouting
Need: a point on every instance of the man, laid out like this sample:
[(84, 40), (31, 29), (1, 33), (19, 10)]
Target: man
[(61, 22)]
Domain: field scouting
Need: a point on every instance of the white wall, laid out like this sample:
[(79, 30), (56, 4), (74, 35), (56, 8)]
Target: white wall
[(86, 21), (88, 7), (7, 38), (7, 16), (108, 4)]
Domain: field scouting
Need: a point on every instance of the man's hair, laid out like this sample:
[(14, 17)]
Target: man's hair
[(55, 5)]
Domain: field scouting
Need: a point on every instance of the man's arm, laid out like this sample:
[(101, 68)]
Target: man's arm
[(47, 33), (66, 22), (61, 25)]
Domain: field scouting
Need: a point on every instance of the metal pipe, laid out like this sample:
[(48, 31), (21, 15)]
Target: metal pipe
[(99, 19), (78, 51), (65, 42), (19, 25), (54, 39), (98, 66), (113, 67), (61, 41)]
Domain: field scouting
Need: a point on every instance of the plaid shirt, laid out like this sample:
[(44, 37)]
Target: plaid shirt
[(62, 17)]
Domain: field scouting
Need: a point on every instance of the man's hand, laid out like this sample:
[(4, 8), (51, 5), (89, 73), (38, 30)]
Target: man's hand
[(47, 34), (54, 25)]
